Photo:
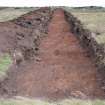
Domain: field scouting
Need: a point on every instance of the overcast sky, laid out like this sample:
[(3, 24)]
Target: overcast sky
[(70, 3)]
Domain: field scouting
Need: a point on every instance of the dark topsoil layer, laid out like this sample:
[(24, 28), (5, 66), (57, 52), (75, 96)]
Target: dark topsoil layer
[(48, 60)]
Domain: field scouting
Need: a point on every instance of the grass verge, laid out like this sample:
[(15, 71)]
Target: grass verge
[(25, 101), (5, 61)]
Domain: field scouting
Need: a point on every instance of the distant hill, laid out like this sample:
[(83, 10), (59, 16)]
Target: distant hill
[(96, 8), (89, 7), (2, 8)]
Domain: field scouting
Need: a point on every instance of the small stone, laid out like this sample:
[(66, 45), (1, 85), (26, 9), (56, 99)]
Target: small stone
[(38, 59)]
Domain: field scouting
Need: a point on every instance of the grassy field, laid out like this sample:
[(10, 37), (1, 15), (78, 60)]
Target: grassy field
[(26, 101), (92, 19), (11, 13), (95, 22)]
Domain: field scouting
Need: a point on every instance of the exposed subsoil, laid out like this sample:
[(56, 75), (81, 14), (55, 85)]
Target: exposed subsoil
[(61, 68)]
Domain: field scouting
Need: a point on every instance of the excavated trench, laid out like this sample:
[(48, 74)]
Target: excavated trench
[(53, 64)]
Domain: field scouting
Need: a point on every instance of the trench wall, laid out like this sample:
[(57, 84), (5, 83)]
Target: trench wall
[(87, 40)]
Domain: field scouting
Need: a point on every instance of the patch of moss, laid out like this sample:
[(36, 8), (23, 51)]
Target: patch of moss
[(5, 62)]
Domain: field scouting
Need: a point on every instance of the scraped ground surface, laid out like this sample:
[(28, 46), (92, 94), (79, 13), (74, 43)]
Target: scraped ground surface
[(62, 69)]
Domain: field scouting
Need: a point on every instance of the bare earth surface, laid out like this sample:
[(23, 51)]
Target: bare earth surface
[(62, 68)]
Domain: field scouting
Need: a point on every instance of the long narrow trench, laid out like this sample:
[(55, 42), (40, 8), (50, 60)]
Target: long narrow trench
[(63, 68)]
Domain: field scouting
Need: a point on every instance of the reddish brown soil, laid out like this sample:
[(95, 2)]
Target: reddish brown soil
[(62, 67)]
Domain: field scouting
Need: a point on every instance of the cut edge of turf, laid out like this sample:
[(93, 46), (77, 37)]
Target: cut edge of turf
[(27, 101)]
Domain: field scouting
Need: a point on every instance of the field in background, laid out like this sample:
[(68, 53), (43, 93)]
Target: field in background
[(11, 13), (95, 22), (93, 18)]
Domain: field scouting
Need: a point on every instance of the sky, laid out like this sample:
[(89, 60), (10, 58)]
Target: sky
[(40, 3)]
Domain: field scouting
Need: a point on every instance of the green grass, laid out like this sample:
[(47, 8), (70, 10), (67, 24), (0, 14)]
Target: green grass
[(94, 21), (5, 62), (12, 13), (26, 101)]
